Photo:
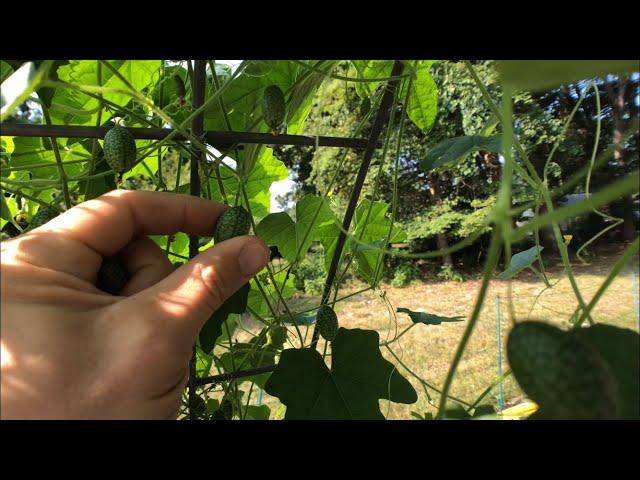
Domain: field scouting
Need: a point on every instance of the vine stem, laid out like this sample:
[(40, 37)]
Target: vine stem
[(383, 115), (492, 259), (502, 227), (56, 151), (197, 129), (631, 251), (233, 375), (421, 380)]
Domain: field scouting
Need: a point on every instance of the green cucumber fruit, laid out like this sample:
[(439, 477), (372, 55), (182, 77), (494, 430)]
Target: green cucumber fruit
[(234, 222), (42, 216), (119, 149), (327, 322), (181, 91), (273, 108), (562, 373), (112, 276), (277, 336)]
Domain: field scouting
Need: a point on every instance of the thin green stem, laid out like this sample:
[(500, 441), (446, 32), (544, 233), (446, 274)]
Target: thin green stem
[(56, 152), (615, 270), (384, 344), (421, 380), (492, 258)]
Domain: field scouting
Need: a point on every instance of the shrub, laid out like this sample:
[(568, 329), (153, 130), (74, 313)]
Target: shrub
[(310, 273), (404, 274)]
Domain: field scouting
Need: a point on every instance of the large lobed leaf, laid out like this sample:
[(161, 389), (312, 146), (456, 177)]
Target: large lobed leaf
[(314, 221), (350, 390), (243, 97), (141, 74), (372, 227), (266, 170)]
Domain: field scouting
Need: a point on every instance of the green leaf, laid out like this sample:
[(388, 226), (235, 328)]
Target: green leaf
[(249, 355), (203, 363), (358, 378), (620, 347), (256, 300), (5, 70), (456, 412), (31, 150), (45, 94), (428, 318), (423, 103), (147, 167), (371, 69), (141, 74), (211, 330), (314, 220), (19, 86), (543, 74), (266, 170), (520, 261), (301, 99), (179, 245), (164, 93), (372, 227), (255, 412), (5, 212), (242, 98), (455, 149), (95, 187)]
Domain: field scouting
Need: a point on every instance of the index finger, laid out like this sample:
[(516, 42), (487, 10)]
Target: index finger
[(108, 223)]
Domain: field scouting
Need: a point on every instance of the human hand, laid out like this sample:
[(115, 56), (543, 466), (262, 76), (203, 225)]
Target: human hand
[(69, 350)]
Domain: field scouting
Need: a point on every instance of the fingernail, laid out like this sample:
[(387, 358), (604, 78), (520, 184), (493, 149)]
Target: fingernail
[(253, 258)]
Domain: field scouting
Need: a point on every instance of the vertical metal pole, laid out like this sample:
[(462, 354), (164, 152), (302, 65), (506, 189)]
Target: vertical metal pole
[(197, 129), (383, 114), (499, 341)]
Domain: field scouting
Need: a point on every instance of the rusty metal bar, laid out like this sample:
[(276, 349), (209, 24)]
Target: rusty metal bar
[(381, 118), (215, 138)]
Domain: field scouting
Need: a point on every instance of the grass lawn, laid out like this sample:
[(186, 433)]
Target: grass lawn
[(428, 350)]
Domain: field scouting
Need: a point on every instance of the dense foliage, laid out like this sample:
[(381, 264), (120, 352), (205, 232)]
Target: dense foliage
[(468, 149)]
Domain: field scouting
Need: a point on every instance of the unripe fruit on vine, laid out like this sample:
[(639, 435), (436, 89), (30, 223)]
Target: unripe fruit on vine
[(9, 229), (277, 336), (42, 216), (234, 222), (327, 322), (119, 149), (180, 88), (112, 276), (563, 374), (273, 108)]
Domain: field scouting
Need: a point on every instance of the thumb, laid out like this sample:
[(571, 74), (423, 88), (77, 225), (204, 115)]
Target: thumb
[(184, 300)]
